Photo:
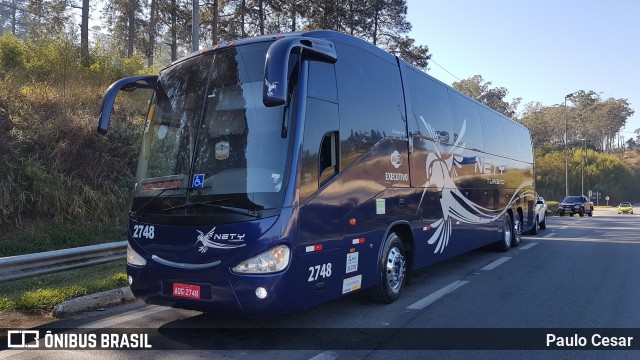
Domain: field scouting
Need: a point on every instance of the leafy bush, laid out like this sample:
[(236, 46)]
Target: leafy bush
[(552, 208), (53, 164), (12, 53)]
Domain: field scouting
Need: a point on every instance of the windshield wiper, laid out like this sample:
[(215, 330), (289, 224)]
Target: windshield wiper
[(134, 214), (237, 210)]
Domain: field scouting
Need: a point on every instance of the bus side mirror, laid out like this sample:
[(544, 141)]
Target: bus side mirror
[(274, 89), (125, 84)]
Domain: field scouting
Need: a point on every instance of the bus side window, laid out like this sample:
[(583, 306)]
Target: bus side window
[(492, 136), (328, 156), (320, 129), (465, 112), (322, 81), (430, 107)]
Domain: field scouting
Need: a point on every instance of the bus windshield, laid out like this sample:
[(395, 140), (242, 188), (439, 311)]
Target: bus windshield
[(208, 129)]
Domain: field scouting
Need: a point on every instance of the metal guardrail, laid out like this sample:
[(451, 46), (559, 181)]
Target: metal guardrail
[(32, 265)]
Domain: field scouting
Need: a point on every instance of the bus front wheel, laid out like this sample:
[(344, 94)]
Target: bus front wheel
[(393, 267)]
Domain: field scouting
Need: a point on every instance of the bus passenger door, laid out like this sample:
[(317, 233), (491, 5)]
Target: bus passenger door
[(320, 215)]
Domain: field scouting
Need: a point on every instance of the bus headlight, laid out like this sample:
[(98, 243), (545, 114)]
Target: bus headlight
[(133, 258), (270, 261)]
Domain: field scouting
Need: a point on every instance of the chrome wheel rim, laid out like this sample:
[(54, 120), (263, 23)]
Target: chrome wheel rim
[(395, 270), (507, 231), (518, 230)]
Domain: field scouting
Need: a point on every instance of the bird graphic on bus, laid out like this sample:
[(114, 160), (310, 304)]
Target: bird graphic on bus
[(270, 86), (205, 239), (441, 168)]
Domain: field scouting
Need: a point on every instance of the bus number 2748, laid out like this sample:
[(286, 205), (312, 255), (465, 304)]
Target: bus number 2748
[(323, 271), (143, 231)]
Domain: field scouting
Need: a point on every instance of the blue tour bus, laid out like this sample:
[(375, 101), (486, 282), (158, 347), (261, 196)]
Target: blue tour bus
[(283, 171)]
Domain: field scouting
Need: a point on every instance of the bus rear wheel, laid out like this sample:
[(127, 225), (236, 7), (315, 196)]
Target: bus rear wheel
[(516, 237), (507, 232), (393, 267)]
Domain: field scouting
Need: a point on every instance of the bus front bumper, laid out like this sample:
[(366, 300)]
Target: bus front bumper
[(215, 294)]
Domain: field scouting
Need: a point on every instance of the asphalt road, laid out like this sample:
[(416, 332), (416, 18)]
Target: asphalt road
[(580, 275)]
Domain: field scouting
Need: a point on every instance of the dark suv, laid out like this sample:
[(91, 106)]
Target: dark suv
[(576, 205)]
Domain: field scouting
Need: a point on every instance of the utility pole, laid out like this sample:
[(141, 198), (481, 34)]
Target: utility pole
[(566, 151), (195, 29)]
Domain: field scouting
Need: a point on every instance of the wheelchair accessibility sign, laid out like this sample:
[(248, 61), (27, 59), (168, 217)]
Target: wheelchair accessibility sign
[(198, 181)]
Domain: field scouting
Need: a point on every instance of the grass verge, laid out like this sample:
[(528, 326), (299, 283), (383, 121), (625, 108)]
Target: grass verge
[(45, 235), (41, 294)]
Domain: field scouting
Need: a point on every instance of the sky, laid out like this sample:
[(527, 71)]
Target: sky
[(538, 50)]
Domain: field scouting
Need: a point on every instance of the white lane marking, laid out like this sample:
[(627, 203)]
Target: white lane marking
[(327, 355), (124, 318), (496, 263), (430, 299), (549, 235), (528, 246), (564, 227)]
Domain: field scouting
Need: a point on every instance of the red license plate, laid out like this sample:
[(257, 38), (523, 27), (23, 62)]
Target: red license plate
[(186, 290)]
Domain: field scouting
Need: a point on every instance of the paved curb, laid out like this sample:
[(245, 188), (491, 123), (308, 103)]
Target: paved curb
[(93, 301)]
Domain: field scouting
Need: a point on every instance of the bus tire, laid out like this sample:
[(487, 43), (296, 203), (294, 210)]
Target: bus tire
[(516, 235), (507, 232), (392, 271)]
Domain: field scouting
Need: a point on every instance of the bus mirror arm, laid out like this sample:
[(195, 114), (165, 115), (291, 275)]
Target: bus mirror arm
[(125, 84), (276, 66)]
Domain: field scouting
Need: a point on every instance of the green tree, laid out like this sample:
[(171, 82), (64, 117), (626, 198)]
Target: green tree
[(13, 17), (549, 179), (634, 143), (174, 24), (476, 87), (606, 173), (381, 22), (125, 23), (48, 18), (596, 119), (543, 122), (404, 47), (587, 117)]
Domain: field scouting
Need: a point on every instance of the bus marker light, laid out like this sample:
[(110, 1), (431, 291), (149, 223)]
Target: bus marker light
[(261, 293), (358, 241), (352, 222), (130, 280), (426, 228), (352, 250), (314, 248)]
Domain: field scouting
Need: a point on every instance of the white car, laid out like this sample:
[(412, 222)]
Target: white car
[(541, 216)]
